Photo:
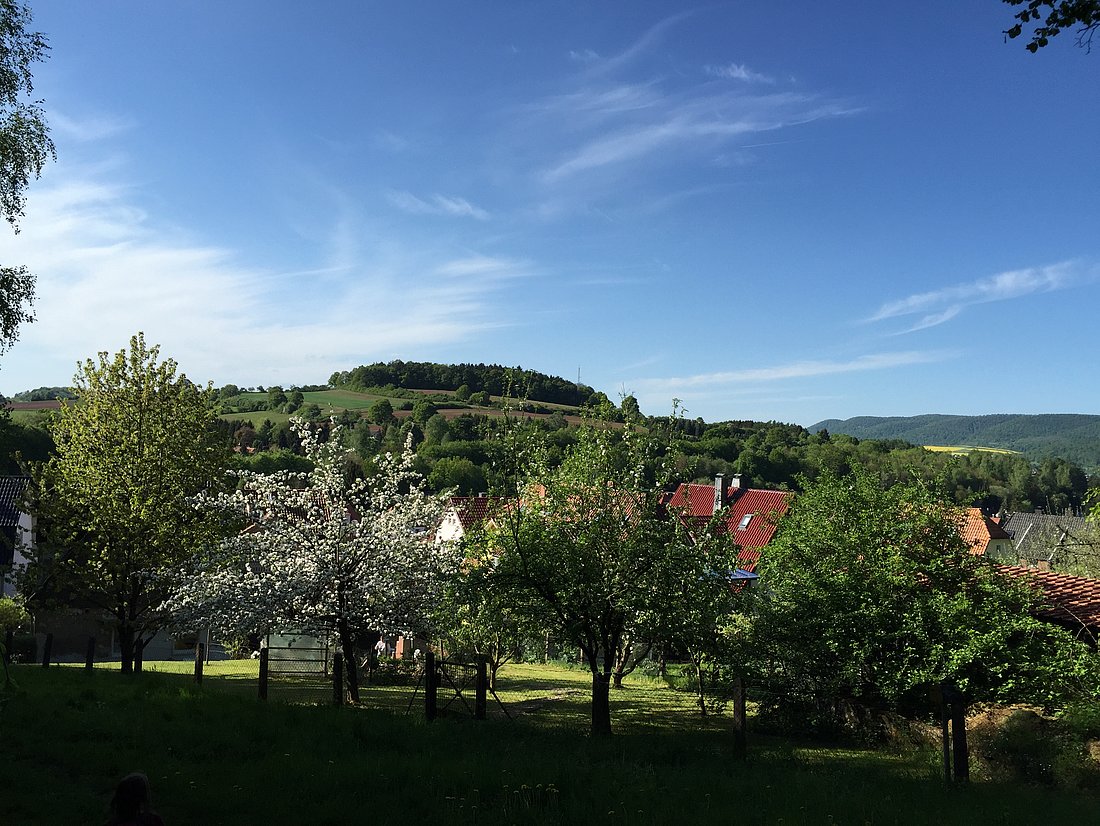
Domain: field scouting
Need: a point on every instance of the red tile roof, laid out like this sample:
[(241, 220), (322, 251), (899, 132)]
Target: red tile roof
[(1072, 601), (473, 510), (763, 507), (978, 530)]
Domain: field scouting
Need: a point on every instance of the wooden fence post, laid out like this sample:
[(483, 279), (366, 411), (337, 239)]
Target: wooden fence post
[(139, 654), (958, 741), (47, 650), (739, 743), (89, 654), (481, 687), (956, 753), (263, 673), (200, 655), (429, 685), (945, 736), (337, 679)]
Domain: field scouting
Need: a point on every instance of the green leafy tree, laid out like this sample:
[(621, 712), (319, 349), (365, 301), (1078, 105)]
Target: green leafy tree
[(381, 412), (458, 474), (476, 617), (422, 411), (870, 595), (25, 146), (1044, 19), (117, 499), (592, 555), (276, 398)]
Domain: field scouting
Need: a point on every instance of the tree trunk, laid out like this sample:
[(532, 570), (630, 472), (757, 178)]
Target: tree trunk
[(601, 703), (700, 685), (347, 647), (126, 646)]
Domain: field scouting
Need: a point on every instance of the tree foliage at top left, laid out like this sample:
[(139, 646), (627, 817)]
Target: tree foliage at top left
[(25, 146)]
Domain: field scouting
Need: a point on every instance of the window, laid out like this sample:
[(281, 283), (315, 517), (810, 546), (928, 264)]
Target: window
[(744, 523)]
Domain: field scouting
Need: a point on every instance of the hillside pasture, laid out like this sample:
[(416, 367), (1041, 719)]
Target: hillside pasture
[(963, 450)]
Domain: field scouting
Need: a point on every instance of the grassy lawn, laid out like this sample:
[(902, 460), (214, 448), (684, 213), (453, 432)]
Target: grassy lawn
[(217, 755)]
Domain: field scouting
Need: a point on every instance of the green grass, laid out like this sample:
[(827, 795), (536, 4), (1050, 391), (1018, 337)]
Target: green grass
[(217, 755)]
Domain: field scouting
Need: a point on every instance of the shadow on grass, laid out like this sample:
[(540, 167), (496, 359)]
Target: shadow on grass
[(215, 756)]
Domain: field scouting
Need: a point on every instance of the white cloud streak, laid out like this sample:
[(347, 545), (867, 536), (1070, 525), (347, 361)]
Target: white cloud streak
[(436, 205), (737, 71), (792, 370), (938, 306)]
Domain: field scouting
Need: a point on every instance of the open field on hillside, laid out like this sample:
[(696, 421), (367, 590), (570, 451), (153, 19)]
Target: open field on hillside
[(336, 401), (962, 450), (216, 757)]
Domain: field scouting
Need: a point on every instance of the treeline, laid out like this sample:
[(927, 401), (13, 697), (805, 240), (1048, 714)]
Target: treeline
[(465, 453), (494, 379), (44, 394), (773, 454), (1072, 436)]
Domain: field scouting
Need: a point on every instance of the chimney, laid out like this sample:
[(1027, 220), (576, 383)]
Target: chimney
[(735, 482), (719, 492)]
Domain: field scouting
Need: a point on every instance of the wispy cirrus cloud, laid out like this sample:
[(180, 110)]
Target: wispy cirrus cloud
[(737, 71), (678, 123), (436, 205), (106, 269), (627, 111), (938, 306), (809, 368)]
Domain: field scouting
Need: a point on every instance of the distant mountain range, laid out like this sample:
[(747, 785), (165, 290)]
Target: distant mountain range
[(1071, 436)]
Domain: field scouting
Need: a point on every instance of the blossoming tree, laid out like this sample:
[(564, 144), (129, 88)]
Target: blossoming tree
[(323, 554)]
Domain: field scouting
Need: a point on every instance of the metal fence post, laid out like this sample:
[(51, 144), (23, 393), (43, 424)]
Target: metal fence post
[(47, 649), (200, 655), (337, 679), (430, 684), (263, 673), (89, 654)]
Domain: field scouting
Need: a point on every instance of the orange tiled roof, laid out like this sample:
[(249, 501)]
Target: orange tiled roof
[(977, 530), (1073, 601)]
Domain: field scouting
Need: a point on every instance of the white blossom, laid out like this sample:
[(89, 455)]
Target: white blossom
[(320, 554)]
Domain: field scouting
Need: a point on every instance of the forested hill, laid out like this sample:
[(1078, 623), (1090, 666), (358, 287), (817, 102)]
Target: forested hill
[(493, 379), (1069, 435)]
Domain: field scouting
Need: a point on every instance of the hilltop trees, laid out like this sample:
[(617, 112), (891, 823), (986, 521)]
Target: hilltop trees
[(117, 499), (324, 553)]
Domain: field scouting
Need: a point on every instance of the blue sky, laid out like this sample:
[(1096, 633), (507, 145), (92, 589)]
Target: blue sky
[(790, 211)]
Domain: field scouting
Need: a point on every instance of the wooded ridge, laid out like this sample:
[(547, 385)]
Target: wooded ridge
[(1072, 436)]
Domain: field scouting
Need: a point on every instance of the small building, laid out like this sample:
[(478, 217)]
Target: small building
[(1049, 542), (16, 529), (985, 536)]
